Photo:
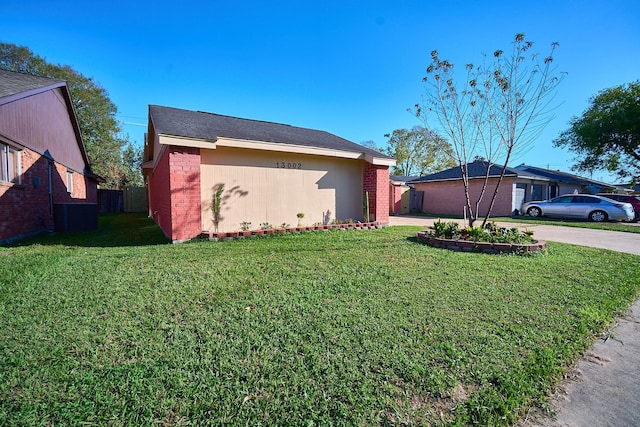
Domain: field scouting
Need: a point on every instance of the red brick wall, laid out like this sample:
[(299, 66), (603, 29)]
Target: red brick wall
[(375, 180), (447, 197), (25, 208), (160, 195), (395, 199), (84, 190), (175, 193), (184, 183)]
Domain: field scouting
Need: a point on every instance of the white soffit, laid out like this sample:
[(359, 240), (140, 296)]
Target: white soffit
[(287, 148), (379, 160), (183, 141), (270, 146)]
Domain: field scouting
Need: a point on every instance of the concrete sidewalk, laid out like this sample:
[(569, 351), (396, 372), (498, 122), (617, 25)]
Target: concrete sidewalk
[(603, 389)]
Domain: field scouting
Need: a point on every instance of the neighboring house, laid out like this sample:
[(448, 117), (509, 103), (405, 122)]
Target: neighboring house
[(399, 194), (565, 183), (43, 162), (629, 189), (270, 173), (443, 192)]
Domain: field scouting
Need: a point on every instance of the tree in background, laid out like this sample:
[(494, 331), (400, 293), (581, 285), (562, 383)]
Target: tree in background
[(96, 113), (370, 144), (131, 162), (495, 112), (607, 136), (418, 151)]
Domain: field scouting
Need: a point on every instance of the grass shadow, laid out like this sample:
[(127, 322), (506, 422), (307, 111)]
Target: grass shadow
[(114, 230), (412, 239)]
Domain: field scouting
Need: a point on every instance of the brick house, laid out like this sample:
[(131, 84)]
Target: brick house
[(270, 172), (43, 162), (443, 192)]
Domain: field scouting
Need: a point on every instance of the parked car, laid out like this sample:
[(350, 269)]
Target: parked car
[(626, 198), (581, 206)]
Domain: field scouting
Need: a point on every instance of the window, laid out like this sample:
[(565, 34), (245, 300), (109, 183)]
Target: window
[(562, 199), (69, 182), (10, 167), (536, 192), (585, 199)]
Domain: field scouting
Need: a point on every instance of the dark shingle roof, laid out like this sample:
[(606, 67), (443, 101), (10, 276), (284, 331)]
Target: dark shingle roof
[(560, 176), (12, 83), (402, 178), (476, 169), (209, 126)]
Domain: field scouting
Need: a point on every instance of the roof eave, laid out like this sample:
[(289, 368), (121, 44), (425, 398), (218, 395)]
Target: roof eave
[(212, 144), (418, 181), (30, 92), (381, 161)]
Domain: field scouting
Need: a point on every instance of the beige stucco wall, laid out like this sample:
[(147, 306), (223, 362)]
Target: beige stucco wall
[(266, 186)]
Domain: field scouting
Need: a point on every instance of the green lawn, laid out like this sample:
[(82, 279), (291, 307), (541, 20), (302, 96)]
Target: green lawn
[(611, 226), (327, 328)]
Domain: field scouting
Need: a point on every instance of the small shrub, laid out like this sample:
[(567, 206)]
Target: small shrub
[(448, 230), (266, 226), (438, 228), (245, 225), (491, 233), (216, 205)]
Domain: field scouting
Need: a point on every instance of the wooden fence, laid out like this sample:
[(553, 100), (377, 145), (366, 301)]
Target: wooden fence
[(131, 199)]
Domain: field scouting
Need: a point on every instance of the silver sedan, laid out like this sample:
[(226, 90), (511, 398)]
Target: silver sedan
[(581, 206)]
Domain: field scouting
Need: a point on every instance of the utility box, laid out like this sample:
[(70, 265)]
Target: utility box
[(75, 217)]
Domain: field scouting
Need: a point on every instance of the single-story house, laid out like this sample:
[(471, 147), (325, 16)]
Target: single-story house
[(565, 183), (443, 192), (270, 173), (399, 194), (45, 177), (629, 189)]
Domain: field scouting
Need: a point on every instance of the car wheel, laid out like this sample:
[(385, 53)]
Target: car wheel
[(534, 212), (598, 216)]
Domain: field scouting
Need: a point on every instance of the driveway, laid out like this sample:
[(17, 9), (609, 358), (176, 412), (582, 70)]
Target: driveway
[(603, 388), (613, 240)]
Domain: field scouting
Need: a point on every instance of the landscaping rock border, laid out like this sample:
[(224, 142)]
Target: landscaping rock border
[(212, 236), (427, 238)]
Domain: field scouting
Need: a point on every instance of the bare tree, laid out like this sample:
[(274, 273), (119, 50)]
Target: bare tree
[(496, 112)]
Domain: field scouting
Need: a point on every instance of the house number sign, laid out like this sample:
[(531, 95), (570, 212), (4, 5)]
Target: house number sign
[(288, 165)]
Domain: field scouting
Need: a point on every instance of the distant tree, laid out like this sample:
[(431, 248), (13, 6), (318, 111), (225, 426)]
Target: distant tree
[(495, 112), (418, 151), (95, 112), (370, 144), (607, 135), (131, 161)]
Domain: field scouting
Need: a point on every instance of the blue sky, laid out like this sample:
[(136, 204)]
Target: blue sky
[(351, 68)]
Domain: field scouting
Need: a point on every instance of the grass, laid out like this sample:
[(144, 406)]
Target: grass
[(611, 226), (328, 328)]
